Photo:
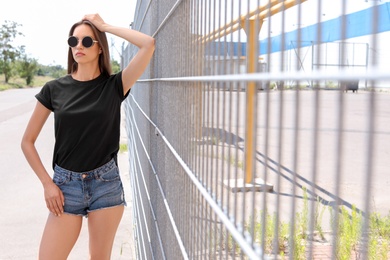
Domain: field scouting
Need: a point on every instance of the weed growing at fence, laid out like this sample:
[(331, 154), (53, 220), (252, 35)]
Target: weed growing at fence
[(349, 232), (318, 215), (379, 237), (123, 148), (350, 235), (271, 243), (233, 247), (274, 235), (303, 216)]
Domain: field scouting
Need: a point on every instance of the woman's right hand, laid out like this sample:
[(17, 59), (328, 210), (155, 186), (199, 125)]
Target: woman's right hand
[(96, 20), (53, 195), (54, 199)]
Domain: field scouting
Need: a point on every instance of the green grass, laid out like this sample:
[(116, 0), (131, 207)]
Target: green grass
[(122, 148), (349, 232), (17, 82)]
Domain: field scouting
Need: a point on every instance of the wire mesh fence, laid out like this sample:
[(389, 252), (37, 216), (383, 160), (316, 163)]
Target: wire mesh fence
[(261, 130)]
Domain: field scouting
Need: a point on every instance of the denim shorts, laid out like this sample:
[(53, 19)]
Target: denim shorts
[(92, 190)]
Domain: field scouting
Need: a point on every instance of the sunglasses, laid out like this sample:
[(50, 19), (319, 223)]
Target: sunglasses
[(87, 41)]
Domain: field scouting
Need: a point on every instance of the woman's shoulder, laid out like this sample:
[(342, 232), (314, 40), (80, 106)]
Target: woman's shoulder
[(59, 81)]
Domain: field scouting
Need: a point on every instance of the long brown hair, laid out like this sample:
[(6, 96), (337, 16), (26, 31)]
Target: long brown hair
[(104, 57)]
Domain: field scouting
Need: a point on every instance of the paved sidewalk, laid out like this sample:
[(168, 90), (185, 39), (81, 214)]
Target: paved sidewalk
[(24, 213)]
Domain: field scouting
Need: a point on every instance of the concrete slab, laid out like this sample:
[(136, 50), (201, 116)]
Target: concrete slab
[(240, 185)]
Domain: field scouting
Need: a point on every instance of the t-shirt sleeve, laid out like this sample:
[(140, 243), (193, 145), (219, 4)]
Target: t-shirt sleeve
[(119, 86), (44, 97)]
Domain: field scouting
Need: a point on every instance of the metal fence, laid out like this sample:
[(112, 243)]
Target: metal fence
[(261, 130)]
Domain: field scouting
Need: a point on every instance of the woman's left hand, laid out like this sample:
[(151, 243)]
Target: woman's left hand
[(96, 20)]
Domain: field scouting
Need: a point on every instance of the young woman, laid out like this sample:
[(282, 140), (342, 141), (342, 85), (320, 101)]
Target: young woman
[(86, 105)]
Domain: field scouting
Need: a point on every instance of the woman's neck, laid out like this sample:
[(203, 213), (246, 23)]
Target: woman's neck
[(85, 74)]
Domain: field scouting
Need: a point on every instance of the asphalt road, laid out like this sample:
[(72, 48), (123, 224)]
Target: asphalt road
[(23, 210)]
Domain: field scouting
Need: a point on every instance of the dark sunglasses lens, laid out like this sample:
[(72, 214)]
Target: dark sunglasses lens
[(72, 41), (87, 42)]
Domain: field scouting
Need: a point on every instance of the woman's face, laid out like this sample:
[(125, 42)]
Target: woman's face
[(85, 54)]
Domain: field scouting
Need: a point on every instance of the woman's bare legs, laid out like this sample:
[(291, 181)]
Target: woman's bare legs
[(102, 226), (59, 236)]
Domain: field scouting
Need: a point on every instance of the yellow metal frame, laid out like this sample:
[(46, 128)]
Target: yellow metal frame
[(262, 12), (251, 23), (252, 30)]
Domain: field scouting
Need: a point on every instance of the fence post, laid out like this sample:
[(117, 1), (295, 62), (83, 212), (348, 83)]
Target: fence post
[(252, 31)]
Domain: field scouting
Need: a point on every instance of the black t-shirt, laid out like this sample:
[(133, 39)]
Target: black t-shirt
[(86, 120)]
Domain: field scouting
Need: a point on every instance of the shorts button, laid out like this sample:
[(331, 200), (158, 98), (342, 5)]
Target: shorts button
[(84, 176)]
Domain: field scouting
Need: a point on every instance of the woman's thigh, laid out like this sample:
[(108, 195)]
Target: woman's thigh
[(59, 236), (102, 226)]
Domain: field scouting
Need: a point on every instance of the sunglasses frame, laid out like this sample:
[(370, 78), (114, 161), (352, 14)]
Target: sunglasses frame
[(78, 40)]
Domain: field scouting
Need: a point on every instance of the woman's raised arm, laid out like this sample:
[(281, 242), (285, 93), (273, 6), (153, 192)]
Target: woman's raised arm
[(144, 42)]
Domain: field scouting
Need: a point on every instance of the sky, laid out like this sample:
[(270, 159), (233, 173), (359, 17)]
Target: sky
[(46, 24)]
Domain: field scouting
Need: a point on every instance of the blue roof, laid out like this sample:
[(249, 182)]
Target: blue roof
[(358, 24)]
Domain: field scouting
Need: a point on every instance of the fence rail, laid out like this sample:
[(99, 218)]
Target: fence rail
[(246, 144)]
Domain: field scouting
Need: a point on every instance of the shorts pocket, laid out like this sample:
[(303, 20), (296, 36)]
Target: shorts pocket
[(60, 178), (111, 175)]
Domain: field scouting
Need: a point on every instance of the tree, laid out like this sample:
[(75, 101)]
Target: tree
[(8, 53), (115, 66), (54, 71), (27, 68)]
